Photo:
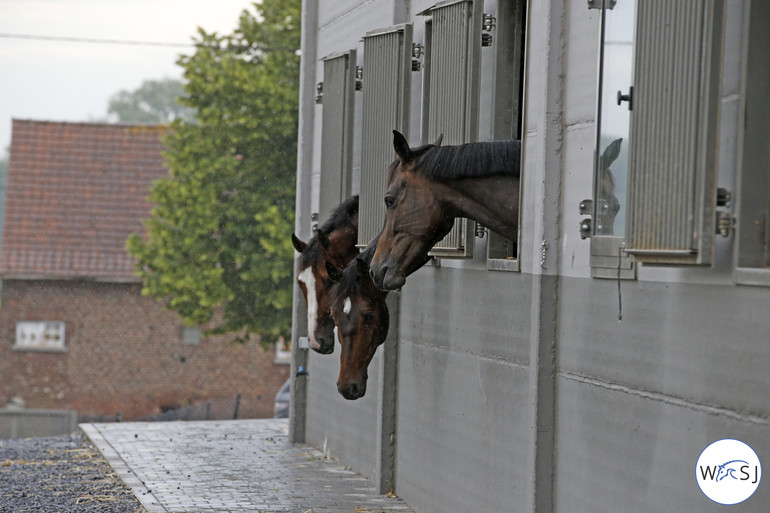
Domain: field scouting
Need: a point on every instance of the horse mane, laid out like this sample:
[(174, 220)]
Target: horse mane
[(472, 160), (349, 284), (341, 216)]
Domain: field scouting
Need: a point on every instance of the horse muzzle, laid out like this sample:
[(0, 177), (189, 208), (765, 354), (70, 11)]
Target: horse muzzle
[(352, 390), (325, 346), (385, 278)]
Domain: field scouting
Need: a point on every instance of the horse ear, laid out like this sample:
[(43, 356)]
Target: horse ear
[(334, 273), (323, 239), (438, 141), (401, 146), (611, 152), (298, 244), (362, 268)]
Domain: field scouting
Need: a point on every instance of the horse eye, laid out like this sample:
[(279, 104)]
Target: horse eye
[(368, 317), (389, 201)]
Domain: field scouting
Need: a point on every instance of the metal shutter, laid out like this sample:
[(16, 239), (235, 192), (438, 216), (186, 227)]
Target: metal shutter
[(386, 87), (337, 131), (672, 160), (452, 70)]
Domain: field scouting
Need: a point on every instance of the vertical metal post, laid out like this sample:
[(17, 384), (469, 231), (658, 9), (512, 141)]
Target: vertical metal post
[(385, 467), (307, 80)]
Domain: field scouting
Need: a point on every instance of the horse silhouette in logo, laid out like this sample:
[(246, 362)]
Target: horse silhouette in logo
[(729, 469)]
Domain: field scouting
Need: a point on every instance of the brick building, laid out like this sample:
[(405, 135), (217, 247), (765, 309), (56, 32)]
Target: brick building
[(75, 330)]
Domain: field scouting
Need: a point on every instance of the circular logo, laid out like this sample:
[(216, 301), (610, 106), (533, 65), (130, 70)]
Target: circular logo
[(728, 471)]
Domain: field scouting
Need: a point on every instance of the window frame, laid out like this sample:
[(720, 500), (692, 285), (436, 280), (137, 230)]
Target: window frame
[(607, 259), (753, 206), (509, 92), (41, 327), (661, 165)]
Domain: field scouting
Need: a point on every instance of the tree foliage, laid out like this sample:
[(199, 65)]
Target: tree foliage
[(218, 244), (155, 101)]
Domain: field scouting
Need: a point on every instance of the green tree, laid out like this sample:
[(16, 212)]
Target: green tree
[(156, 101), (218, 244)]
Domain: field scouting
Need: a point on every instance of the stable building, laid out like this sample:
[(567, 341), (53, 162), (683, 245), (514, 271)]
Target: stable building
[(586, 365)]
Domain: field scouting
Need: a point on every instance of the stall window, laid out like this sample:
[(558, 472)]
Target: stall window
[(336, 94), (754, 189), (504, 31), (655, 194), (386, 82)]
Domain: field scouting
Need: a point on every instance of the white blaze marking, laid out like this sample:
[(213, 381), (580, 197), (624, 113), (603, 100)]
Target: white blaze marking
[(308, 279), (347, 305)]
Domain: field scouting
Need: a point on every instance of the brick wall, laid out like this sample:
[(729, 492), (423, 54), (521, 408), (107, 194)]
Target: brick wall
[(124, 353)]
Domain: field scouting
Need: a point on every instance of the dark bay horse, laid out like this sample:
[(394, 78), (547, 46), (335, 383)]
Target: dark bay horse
[(361, 316), (334, 242), (428, 187)]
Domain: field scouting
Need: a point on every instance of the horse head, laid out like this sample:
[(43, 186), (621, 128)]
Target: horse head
[(314, 283), (607, 204), (414, 219), (361, 316)]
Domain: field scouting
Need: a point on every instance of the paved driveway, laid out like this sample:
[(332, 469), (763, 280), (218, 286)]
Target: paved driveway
[(231, 466)]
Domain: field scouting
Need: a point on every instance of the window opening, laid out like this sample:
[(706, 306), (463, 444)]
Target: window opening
[(39, 336)]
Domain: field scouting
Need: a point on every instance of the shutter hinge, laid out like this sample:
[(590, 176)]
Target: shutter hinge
[(725, 223), (359, 78), (586, 225), (487, 25), (418, 50)]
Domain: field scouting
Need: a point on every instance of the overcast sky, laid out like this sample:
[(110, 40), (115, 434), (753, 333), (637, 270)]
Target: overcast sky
[(73, 81)]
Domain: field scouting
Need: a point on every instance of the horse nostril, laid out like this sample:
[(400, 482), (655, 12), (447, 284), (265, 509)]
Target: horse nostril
[(353, 390)]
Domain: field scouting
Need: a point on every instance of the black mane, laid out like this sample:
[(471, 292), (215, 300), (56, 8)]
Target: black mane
[(341, 216), (350, 284), (472, 160)]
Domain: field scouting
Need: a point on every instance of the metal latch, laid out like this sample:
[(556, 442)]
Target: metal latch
[(586, 225), (725, 220)]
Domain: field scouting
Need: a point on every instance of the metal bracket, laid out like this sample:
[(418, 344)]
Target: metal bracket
[(724, 197), (319, 89), (725, 223), (418, 50), (598, 4), (487, 24), (586, 208)]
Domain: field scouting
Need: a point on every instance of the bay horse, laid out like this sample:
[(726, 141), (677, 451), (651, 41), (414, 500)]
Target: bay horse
[(361, 315), (429, 186), (334, 242)]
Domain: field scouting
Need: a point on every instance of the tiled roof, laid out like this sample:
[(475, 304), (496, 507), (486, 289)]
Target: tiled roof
[(75, 193)]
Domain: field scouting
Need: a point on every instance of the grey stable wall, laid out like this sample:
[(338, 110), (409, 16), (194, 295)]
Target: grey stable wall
[(638, 400), (462, 424), (521, 391), (345, 430)]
